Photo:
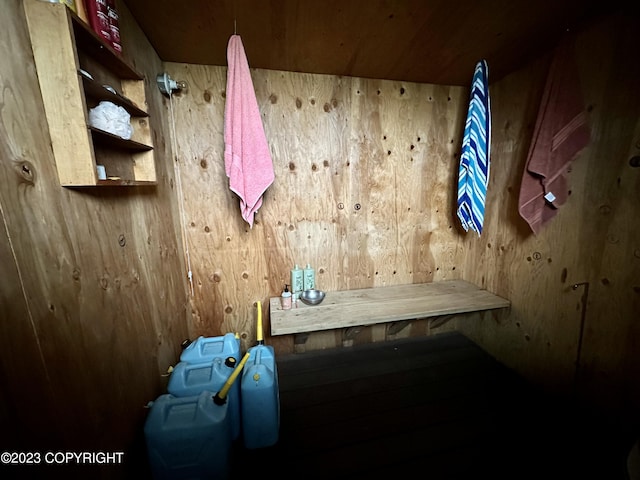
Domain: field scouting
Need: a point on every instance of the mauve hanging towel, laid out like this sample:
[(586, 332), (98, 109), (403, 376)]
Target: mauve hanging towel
[(561, 131), (248, 162), (473, 174)]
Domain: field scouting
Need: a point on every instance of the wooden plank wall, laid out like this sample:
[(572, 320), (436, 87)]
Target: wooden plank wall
[(364, 182), (93, 298), (592, 242), (365, 190)]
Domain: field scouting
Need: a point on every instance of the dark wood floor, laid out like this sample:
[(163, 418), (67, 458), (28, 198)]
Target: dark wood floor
[(438, 407), (432, 408)]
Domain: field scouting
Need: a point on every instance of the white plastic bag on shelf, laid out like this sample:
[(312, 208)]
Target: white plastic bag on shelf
[(111, 118)]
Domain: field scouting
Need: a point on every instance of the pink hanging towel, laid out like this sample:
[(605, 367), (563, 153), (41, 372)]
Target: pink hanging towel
[(561, 131), (247, 157)]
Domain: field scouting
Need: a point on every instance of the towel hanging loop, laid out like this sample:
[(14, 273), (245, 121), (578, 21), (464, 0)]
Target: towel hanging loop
[(235, 16)]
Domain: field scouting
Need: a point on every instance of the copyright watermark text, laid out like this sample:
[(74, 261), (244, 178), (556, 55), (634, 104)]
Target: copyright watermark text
[(60, 458)]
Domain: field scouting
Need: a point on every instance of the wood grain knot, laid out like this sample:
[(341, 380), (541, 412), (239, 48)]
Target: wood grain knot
[(26, 172), (605, 209)]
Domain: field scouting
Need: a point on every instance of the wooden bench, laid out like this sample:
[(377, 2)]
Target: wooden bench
[(369, 306)]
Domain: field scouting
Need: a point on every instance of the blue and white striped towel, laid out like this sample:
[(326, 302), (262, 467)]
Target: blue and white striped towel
[(473, 175)]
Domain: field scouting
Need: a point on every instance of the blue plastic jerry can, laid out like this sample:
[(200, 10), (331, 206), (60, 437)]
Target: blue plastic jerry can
[(260, 412), (189, 379), (188, 438), (205, 349), (260, 406)]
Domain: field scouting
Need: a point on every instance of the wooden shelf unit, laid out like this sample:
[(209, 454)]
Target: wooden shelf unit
[(63, 47), (369, 306)]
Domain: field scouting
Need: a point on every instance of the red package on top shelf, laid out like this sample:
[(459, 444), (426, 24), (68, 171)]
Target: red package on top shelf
[(98, 14), (114, 26)]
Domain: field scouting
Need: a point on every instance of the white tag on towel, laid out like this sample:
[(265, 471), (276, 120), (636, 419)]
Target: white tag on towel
[(550, 197)]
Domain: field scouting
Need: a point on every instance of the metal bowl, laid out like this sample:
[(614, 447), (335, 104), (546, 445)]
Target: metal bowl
[(312, 297)]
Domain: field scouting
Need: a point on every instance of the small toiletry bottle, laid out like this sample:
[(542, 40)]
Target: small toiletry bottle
[(296, 282), (309, 278), (286, 298)]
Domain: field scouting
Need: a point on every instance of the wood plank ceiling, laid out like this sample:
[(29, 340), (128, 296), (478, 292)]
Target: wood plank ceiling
[(427, 41)]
